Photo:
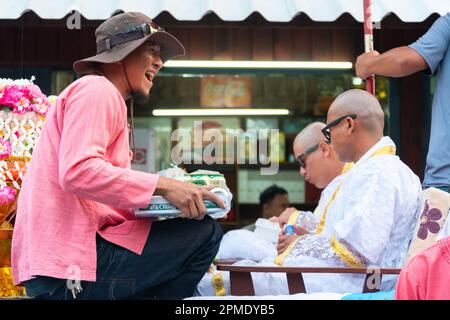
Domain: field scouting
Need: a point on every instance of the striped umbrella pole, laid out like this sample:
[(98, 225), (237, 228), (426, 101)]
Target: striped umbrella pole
[(368, 40)]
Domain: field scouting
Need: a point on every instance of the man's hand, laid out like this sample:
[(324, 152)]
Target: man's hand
[(284, 216), (284, 240), (397, 62), (187, 197), (363, 62)]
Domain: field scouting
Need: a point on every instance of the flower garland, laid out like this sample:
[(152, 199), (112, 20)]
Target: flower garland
[(23, 96), (17, 97)]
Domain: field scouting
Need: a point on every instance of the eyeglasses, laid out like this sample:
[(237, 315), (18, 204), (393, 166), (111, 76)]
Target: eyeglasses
[(326, 130), (301, 158)]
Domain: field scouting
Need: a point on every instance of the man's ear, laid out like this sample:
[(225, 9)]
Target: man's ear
[(325, 148), (264, 207), (351, 125)]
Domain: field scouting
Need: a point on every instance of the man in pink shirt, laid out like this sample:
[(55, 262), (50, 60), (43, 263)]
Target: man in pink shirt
[(75, 234), (427, 275)]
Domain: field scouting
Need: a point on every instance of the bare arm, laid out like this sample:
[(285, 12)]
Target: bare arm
[(397, 62)]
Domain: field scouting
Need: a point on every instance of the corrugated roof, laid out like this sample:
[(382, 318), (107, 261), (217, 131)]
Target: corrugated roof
[(228, 10)]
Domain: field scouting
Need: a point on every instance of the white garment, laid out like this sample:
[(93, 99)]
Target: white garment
[(244, 244), (445, 231), (372, 216), (309, 220)]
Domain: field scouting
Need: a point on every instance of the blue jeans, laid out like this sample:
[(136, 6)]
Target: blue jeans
[(176, 255)]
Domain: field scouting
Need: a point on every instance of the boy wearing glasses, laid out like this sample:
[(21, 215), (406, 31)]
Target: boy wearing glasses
[(320, 165)]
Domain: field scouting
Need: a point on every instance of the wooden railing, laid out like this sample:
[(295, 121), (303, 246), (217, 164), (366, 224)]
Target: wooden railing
[(241, 283)]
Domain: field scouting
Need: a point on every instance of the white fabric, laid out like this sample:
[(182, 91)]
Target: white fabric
[(377, 208), (373, 215), (298, 296), (309, 220), (269, 284), (264, 283), (231, 10), (445, 231), (244, 244)]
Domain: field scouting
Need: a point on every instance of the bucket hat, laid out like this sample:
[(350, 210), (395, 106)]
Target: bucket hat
[(120, 35)]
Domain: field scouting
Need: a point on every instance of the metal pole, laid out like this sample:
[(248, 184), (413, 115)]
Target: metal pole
[(368, 40)]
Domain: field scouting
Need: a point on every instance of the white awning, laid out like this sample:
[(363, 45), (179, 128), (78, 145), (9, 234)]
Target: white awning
[(228, 10)]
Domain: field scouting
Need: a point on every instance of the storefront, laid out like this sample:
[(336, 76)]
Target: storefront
[(42, 43)]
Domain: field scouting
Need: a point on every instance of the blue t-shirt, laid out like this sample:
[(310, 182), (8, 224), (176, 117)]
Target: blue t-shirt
[(434, 47)]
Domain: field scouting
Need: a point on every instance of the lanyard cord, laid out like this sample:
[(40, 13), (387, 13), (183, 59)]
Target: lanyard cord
[(132, 138)]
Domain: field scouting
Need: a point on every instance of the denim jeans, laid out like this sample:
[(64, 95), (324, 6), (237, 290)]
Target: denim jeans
[(176, 255)]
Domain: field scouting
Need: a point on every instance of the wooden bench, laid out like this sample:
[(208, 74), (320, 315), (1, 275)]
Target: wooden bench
[(240, 276)]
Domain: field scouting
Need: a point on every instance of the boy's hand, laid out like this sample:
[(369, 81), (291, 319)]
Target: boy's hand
[(284, 240)]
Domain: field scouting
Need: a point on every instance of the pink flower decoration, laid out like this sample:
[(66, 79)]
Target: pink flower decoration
[(11, 95), (7, 195), (41, 108), (22, 106), (5, 148), (34, 92), (23, 98)]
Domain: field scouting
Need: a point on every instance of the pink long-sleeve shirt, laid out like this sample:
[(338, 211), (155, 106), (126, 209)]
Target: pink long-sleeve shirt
[(427, 275), (79, 183)]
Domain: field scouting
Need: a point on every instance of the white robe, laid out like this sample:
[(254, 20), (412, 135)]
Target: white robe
[(373, 217), (445, 231), (245, 245)]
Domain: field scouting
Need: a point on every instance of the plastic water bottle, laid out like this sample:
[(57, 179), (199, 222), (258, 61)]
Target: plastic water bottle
[(289, 229)]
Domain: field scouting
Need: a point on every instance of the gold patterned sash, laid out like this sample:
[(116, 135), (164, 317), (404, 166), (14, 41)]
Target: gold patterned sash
[(219, 287), (387, 150)]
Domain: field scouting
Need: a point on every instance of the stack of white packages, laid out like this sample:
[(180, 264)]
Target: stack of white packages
[(160, 208)]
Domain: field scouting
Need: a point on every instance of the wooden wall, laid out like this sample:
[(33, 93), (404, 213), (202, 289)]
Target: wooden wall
[(35, 42), (32, 42)]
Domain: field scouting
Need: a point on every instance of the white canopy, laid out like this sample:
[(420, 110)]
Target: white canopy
[(228, 10)]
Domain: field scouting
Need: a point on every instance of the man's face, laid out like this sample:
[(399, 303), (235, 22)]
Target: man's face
[(315, 162), (276, 206), (142, 65), (339, 137)]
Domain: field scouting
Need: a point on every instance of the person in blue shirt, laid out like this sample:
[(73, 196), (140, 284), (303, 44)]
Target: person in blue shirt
[(429, 54), (382, 295)]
